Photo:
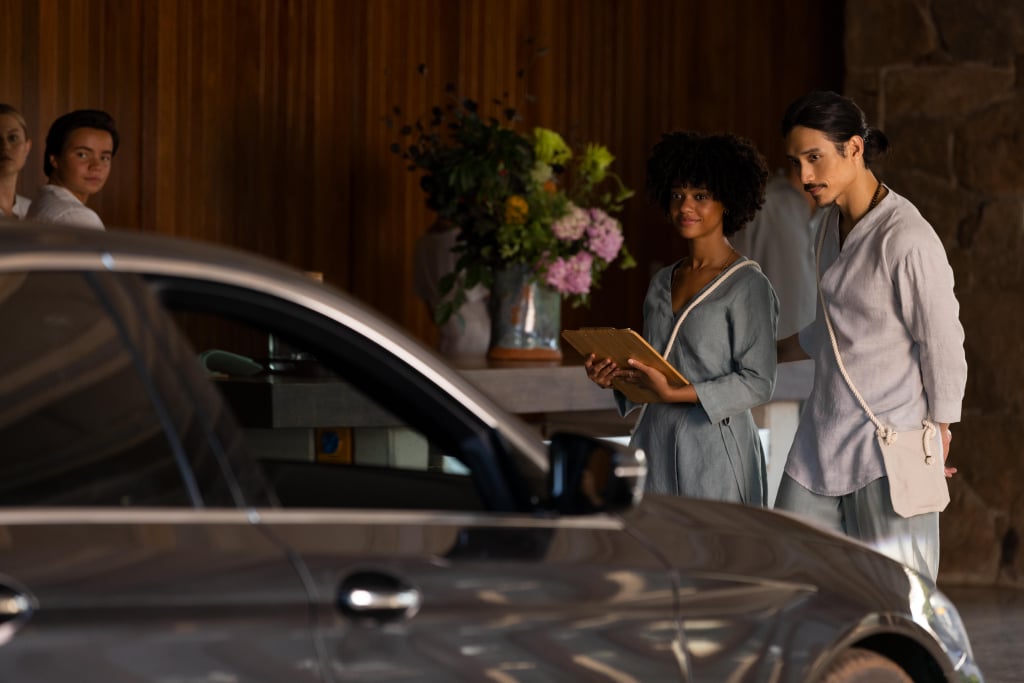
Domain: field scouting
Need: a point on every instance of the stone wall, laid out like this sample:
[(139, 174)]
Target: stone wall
[(945, 80)]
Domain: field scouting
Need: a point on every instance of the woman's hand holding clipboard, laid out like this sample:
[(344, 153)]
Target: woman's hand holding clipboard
[(620, 345)]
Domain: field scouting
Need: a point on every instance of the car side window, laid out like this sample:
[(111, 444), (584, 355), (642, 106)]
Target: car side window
[(321, 441), (93, 410)]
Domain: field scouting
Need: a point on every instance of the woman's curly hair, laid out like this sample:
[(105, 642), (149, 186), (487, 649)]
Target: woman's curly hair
[(726, 165)]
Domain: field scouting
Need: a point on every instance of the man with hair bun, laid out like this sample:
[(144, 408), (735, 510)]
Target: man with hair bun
[(888, 288)]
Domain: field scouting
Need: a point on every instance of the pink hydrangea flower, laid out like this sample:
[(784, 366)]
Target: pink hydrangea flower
[(604, 235), (571, 227), (571, 275)]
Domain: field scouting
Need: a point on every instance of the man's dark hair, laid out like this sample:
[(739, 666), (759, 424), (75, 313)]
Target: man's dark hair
[(727, 166), (839, 118), (57, 137)]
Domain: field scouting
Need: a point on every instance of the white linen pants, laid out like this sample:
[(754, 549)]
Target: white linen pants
[(867, 515)]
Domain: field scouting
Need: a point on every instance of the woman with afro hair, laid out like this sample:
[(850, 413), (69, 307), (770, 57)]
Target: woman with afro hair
[(713, 315)]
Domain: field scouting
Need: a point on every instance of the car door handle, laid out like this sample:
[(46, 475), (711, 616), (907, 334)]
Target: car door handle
[(15, 609), (377, 597)]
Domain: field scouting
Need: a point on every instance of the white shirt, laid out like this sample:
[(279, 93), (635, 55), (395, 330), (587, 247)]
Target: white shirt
[(468, 331), (56, 204), (781, 239), (20, 207), (890, 297)]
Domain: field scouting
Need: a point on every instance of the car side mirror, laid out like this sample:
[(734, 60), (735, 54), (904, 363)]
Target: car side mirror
[(588, 475)]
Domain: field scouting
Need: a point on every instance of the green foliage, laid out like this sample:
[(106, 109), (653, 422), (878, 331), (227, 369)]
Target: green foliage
[(504, 191)]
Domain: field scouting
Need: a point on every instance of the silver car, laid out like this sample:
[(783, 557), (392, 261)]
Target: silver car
[(158, 522)]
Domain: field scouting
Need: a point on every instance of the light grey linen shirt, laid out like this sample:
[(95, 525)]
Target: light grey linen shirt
[(890, 297), (56, 204)]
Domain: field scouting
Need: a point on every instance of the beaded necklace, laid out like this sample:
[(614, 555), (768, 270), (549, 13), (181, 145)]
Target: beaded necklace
[(874, 197)]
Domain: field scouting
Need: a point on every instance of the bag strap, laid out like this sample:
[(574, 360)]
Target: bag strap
[(703, 295), (743, 263), (886, 433)]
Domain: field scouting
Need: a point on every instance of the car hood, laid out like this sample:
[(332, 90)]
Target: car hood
[(789, 589), (712, 538)]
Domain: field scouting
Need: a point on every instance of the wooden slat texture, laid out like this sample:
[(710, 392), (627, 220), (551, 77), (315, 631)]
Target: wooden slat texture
[(261, 123)]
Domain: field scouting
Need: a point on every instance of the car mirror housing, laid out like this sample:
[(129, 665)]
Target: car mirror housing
[(589, 475)]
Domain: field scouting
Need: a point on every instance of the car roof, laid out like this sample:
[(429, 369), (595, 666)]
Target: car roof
[(39, 247)]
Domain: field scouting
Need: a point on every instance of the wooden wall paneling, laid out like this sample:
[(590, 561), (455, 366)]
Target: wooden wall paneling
[(665, 72), (372, 175), (260, 123), (419, 66), (240, 64), (204, 180), (18, 70), (149, 115), (12, 41), (119, 91), (622, 290), (597, 59), (382, 188), (288, 129), (390, 212), (17, 25), (425, 61), (172, 135), (300, 128), (38, 53), (746, 84), (165, 203), (338, 79)]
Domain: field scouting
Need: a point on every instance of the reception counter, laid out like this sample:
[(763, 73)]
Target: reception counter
[(550, 395), (541, 393), (288, 416), (292, 415)]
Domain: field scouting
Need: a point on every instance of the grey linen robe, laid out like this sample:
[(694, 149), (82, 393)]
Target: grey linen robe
[(726, 349)]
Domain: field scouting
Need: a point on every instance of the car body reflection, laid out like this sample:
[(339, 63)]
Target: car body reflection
[(148, 533)]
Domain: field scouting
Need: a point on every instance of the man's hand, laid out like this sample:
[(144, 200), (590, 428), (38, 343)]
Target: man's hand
[(947, 437), (789, 349)]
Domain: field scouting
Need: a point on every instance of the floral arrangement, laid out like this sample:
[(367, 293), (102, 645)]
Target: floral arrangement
[(517, 200)]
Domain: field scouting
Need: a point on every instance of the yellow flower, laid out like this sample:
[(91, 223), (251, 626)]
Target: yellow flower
[(595, 162), (516, 210), (550, 148)]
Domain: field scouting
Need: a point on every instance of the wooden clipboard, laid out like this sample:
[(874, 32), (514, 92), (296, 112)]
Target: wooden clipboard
[(621, 344)]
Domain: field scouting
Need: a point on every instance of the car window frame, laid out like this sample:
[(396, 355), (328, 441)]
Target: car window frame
[(388, 380)]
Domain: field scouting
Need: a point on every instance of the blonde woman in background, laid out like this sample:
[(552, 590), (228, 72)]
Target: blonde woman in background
[(14, 148)]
